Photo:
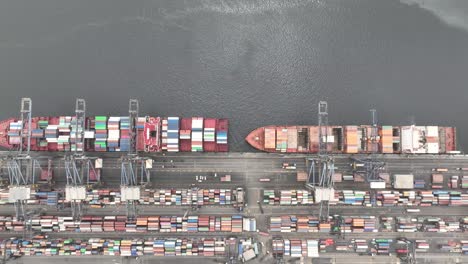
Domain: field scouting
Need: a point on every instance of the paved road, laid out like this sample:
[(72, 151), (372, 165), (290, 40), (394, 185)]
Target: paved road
[(259, 165)]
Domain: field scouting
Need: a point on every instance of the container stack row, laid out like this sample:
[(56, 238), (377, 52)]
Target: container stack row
[(100, 128), (124, 143), (464, 182), (454, 182), (429, 224), (186, 133), (295, 247), (387, 224), (419, 184), (50, 134), (197, 134), (362, 198), (361, 245), (421, 198), (173, 134), (464, 245), (190, 197), (140, 125), (296, 197), (63, 139), (115, 247), (96, 224), (164, 128), (165, 197), (288, 197), (14, 132), (209, 135), (37, 197), (270, 198), (76, 135), (407, 224), (382, 245), (350, 197), (292, 223), (437, 224), (422, 245), (113, 134), (221, 138), (35, 133), (281, 139), (358, 224)]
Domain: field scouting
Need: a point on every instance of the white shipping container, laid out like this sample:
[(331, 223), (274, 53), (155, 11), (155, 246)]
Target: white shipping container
[(377, 185), (433, 148), (197, 123), (98, 163), (432, 131), (173, 141), (114, 134)]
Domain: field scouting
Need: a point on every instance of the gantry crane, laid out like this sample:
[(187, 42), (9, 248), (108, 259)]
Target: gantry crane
[(22, 168), (133, 166), (78, 167), (410, 257), (322, 167), (371, 163), (323, 128)]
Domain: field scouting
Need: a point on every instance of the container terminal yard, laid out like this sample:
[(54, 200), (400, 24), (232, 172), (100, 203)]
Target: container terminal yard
[(185, 207)]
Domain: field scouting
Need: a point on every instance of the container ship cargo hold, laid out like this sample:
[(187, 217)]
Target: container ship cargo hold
[(109, 134), (356, 139)]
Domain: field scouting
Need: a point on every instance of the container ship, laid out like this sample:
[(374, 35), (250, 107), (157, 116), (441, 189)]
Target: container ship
[(356, 139), (109, 134)]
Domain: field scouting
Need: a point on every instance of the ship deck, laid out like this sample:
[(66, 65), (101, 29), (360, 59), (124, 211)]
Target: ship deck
[(256, 138), (4, 125)]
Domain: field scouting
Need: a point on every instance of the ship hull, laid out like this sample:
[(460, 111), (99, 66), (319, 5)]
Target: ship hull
[(112, 134), (362, 139)]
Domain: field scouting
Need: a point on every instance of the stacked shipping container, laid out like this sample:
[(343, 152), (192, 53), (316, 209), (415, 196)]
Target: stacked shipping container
[(113, 137), (100, 127), (112, 134), (173, 134), (97, 224), (197, 134), (115, 247), (355, 139)]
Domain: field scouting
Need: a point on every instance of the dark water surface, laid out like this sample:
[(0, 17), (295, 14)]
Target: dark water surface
[(254, 62)]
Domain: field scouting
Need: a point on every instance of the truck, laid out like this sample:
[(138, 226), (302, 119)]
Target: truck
[(47, 174), (356, 165), (225, 178), (239, 203), (289, 166)]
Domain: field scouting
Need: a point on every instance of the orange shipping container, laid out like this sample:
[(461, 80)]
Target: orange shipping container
[(270, 138)]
